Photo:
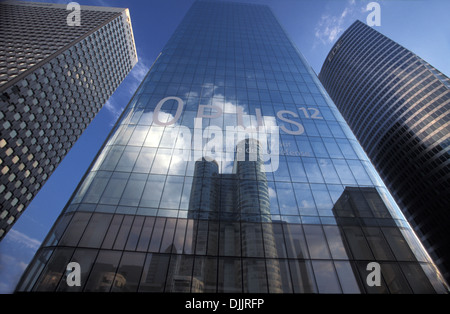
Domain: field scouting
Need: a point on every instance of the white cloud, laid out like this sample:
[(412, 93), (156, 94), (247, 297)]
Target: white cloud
[(139, 70), (23, 239), (113, 108), (329, 27)]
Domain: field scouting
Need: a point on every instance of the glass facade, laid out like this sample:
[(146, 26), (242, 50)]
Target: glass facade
[(397, 105), (231, 170), (54, 78)]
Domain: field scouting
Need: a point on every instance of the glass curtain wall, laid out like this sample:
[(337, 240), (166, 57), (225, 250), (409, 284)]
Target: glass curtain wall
[(177, 202)]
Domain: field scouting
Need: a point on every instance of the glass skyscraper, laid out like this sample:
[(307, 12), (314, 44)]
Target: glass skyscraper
[(397, 105), (231, 170), (54, 78)]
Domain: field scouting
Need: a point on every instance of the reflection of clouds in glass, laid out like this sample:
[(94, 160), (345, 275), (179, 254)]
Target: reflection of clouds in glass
[(272, 193)]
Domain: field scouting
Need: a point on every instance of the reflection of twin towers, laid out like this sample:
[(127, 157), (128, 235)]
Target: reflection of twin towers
[(242, 196)]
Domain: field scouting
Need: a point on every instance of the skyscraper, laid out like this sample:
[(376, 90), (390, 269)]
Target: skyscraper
[(55, 74), (397, 105), (231, 170)]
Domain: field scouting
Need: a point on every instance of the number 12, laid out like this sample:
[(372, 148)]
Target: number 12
[(315, 113)]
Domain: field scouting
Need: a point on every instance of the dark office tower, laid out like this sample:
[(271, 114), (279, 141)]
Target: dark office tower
[(224, 174), (397, 105), (54, 78)]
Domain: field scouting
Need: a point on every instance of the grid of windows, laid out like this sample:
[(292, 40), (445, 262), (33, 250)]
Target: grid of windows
[(45, 107), (145, 218), (397, 105)]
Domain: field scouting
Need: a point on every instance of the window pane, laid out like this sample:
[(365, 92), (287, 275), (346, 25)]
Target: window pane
[(348, 277), (133, 191), (129, 156), (317, 244), (286, 199), (129, 272), (335, 242), (146, 234), (152, 191), (205, 274), (346, 148), (273, 240), (312, 170), (254, 276), (229, 275), (139, 135), (417, 279), (162, 161), (172, 192), (318, 147), (154, 274), (96, 230), (230, 239), (398, 244), (75, 229), (84, 257), (378, 244), (328, 171), (145, 160), (112, 232), (97, 186), (278, 276), (114, 189), (394, 278), (302, 276), (296, 169), (305, 200), (359, 172), (252, 242), (154, 136), (332, 148), (56, 267), (322, 199), (102, 275), (357, 242), (122, 236), (295, 241), (326, 277), (111, 159), (158, 230), (201, 236), (344, 172), (167, 239), (133, 237), (179, 278)]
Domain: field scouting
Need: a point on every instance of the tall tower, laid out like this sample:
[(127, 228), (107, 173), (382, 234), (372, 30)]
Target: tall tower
[(397, 105), (54, 78), (179, 201)]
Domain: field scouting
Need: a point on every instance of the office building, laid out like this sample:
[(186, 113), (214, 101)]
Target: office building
[(55, 76), (231, 170), (397, 105)]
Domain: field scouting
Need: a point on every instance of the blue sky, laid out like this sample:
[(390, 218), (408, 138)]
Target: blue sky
[(421, 26)]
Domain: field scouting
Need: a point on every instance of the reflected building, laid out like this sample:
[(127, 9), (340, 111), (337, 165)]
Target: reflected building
[(398, 107), (169, 215)]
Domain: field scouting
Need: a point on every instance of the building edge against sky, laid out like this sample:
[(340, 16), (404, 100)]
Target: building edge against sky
[(145, 219), (398, 107), (51, 90)]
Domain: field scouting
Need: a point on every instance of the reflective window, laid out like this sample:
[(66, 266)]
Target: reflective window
[(103, 272), (129, 272), (326, 278), (154, 273)]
